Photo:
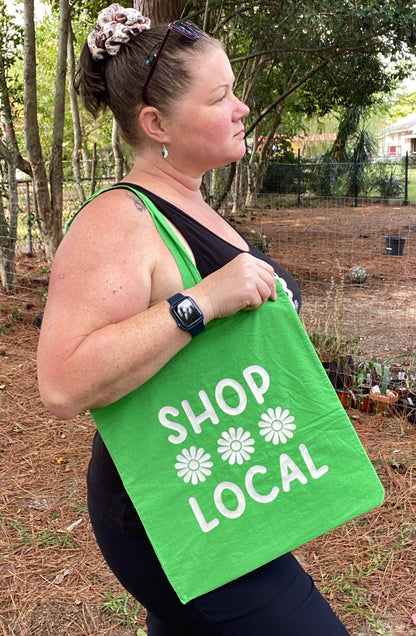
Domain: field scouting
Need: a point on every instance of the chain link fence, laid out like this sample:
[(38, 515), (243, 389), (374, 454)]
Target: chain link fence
[(378, 180)]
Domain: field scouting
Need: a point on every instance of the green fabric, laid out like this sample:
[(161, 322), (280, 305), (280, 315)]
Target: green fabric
[(239, 449)]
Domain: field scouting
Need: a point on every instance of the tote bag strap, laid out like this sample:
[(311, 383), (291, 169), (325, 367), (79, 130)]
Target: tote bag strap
[(189, 273)]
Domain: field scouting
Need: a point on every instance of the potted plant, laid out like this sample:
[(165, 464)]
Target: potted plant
[(372, 386), (336, 355), (361, 395), (363, 381), (380, 394), (405, 385), (335, 351)]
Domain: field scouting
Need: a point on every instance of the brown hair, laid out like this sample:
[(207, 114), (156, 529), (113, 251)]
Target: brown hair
[(117, 81)]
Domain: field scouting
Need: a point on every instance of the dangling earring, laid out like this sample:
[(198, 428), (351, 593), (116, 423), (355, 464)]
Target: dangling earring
[(164, 151)]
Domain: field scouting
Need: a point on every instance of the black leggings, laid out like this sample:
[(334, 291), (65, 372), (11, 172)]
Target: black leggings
[(278, 599)]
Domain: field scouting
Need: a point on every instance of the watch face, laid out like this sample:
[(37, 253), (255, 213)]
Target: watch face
[(187, 312)]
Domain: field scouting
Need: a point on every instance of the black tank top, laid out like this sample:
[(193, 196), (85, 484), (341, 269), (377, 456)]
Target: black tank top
[(107, 496)]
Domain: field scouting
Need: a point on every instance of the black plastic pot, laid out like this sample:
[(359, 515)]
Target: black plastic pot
[(406, 406), (395, 245)]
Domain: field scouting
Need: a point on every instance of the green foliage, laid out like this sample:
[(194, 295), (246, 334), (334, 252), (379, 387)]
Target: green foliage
[(48, 538), (260, 241), (343, 37), (354, 141), (324, 176), (28, 538), (334, 348), (86, 8), (11, 52), (281, 177), (379, 372), (11, 37), (388, 184), (120, 606), (363, 83), (401, 106), (354, 147), (46, 52), (9, 317)]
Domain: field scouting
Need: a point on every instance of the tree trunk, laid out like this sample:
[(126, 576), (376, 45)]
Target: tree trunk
[(94, 168), (56, 172), (226, 189), (9, 152), (76, 121), (239, 188), (258, 160), (252, 171), (50, 233), (8, 227), (159, 11), (8, 235), (118, 155)]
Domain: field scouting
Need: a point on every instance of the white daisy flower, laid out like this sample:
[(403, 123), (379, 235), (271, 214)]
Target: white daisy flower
[(277, 425), (235, 445), (193, 465)]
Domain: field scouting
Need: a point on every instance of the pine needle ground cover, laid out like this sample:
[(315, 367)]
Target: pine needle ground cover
[(53, 578)]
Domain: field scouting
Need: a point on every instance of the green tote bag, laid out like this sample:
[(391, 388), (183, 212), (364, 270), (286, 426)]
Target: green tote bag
[(238, 450)]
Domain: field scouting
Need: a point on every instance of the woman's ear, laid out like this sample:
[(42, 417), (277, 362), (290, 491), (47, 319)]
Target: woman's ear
[(152, 123)]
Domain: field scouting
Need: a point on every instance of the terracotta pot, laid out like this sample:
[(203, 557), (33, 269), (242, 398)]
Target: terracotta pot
[(383, 403), (345, 398), (364, 403)]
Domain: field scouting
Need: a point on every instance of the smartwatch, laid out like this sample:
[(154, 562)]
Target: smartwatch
[(187, 314)]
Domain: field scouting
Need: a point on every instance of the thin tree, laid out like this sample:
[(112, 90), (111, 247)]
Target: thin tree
[(117, 152), (9, 153), (76, 120), (48, 203), (159, 11), (56, 174), (32, 135)]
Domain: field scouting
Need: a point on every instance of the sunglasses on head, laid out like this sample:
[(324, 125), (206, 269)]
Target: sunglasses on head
[(188, 29)]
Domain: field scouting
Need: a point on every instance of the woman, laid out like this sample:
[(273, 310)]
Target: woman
[(109, 326)]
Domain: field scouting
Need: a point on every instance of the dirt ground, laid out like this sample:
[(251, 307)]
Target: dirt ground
[(318, 244), (53, 578)]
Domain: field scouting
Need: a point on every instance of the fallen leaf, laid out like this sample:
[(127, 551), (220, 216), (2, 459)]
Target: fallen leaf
[(73, 525), (59, 578)]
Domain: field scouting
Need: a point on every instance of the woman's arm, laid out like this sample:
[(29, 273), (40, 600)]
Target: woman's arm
[(107, 327)]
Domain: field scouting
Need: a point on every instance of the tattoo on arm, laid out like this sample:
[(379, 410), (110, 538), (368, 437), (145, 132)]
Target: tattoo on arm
[(137, 202)]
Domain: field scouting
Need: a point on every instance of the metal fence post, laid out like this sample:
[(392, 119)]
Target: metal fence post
[(406, 178), (355, 178), (299, 173), (29, 221), (94, 168)]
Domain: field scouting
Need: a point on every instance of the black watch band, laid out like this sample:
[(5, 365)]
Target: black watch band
[(186, 313)]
